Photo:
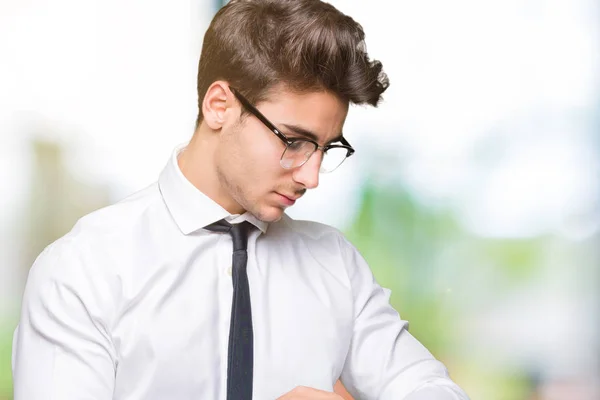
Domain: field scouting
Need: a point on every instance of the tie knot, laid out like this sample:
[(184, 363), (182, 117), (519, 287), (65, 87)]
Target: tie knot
[(239, 232)]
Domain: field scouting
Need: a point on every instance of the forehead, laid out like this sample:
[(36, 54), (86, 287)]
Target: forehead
[(320, 112)]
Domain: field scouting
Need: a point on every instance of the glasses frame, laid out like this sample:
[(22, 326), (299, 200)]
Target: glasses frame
[(289, 141)]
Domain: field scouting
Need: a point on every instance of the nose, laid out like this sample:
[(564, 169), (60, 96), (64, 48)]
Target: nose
[(308, 174)]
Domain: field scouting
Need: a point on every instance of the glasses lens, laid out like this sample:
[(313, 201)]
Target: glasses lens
[(333, 158), (297, 153)]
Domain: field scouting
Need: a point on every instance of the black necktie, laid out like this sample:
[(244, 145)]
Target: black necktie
[(240, 358)]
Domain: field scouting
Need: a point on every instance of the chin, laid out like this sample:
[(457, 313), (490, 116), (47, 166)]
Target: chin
[(268, 214)]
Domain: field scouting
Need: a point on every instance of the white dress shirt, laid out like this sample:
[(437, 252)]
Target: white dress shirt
[(135, 302)]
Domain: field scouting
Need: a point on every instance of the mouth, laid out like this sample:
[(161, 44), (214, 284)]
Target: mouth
[(287, 201)]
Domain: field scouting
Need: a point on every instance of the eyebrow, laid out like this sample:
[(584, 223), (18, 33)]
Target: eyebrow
[(308, 134)]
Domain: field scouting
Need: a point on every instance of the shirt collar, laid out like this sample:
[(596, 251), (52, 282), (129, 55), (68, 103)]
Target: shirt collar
[(190, 208)]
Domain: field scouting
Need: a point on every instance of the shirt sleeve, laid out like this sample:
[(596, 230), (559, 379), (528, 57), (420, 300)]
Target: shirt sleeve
[(62, 348), (385, 361)]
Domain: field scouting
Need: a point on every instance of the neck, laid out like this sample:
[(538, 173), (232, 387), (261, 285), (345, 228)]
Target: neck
[(197, 163)]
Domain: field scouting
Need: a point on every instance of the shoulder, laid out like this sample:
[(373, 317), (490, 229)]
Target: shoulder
[(120, 216), (82, 267), (304, 230), (319, 238), (325, 246), (88, 244)]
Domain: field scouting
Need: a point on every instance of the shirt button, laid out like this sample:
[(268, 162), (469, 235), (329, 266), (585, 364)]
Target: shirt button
[(229, 270)]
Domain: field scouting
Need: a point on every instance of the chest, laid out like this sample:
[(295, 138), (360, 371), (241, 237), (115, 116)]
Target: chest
[(173, 343)]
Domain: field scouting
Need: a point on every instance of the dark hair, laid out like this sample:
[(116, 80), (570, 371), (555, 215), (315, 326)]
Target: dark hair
[(305, 44)]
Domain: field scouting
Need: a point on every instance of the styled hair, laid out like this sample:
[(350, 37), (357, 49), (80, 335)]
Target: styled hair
[(307, 45)]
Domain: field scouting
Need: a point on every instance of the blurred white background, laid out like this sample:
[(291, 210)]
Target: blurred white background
[(492, 116)]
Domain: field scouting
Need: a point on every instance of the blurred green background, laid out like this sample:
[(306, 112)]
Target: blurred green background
[(473, 194)]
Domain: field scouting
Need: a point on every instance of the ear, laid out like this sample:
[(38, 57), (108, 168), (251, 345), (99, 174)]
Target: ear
[(217, 101)]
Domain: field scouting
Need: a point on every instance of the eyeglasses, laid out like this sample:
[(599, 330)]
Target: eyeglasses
[(299, 150)]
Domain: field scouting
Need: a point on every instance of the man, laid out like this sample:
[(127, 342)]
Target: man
[(199, 286)]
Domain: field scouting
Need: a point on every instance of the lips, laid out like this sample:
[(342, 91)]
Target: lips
[(291, 198), (288, 201)]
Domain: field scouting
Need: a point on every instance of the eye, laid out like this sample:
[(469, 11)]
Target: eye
[(297, 145)]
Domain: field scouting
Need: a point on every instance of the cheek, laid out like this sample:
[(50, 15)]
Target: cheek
[(264, 159), (258, 154)]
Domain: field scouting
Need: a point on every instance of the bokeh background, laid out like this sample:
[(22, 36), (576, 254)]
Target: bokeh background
[(474, 193)]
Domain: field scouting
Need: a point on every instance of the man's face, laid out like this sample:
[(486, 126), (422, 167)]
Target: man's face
[(248, 155)]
